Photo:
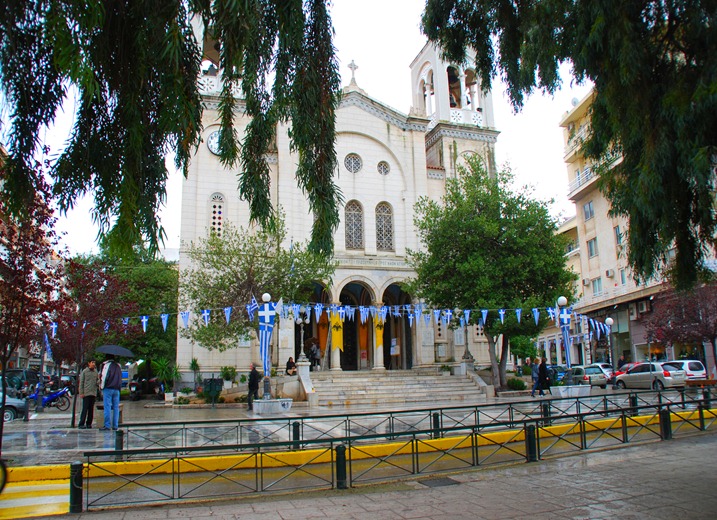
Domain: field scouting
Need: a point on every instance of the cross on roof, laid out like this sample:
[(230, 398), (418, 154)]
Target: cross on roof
[(353, 68)]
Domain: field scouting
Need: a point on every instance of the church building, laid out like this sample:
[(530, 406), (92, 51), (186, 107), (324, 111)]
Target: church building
[(386, 161)]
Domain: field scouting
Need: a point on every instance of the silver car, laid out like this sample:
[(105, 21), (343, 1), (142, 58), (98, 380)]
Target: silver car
[(14, 408), (589, 375), (657, 376)]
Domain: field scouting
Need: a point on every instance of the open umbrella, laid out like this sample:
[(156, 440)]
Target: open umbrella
[(115, 350)]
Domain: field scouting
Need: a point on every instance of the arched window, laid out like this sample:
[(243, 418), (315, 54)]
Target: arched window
[(354, 225), (216, 213), (384, 227)]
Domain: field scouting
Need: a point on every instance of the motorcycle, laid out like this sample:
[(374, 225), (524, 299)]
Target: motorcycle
[(59, 399), (135, 390)]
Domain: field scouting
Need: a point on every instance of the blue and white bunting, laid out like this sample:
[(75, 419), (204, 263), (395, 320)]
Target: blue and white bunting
[(144, 320), (165, 320), (501, 313), (536, 315), (185, 318), (484, 315), (205, 316), (228, 314), (518, 312)]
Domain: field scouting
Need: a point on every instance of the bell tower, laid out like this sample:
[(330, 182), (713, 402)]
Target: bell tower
[(460, 114)]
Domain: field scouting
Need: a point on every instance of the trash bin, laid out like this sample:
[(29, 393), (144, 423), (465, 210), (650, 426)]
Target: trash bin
[(213, 387)]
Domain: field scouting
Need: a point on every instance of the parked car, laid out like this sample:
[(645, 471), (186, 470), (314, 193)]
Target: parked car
[(657, 376), (556, 373), (624, 368), (23, 380), (606, 369), (589, 375), (694, 370), (14, 408)]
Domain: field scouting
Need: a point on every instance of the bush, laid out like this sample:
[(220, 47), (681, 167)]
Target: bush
[(186, 390), (181, 400), (516, 384), (228, 373), (527, 370), (240, 399)]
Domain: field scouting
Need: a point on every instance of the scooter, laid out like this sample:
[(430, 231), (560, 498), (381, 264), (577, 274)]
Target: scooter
[(59, 399), (135, 390)]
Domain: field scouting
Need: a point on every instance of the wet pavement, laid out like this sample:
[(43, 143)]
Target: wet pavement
[(661, 480)]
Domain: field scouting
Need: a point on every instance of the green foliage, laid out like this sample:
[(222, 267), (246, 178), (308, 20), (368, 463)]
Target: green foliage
[(167, 372), (655, 102), (144, 285), (445, 368), (181, 400), (186, 390), (243, 378), (228, 373), (229, 270), (523, 347), (516, 384), (136, 73), (486, 247)]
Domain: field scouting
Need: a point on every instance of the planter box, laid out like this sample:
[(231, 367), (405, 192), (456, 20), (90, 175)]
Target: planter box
[(272, 406), (574, 390)]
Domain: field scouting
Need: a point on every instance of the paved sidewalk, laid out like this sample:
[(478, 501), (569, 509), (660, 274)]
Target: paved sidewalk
[(662, 480)]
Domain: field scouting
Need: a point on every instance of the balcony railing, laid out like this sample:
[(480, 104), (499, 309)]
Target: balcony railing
[(585, 176)]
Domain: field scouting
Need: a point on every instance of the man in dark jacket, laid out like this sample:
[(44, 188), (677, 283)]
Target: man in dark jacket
[(111, 384), (87, 388), (254, 379), (544, 377)]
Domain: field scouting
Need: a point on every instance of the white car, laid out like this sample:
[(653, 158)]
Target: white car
[(656, 376), (694, 370)]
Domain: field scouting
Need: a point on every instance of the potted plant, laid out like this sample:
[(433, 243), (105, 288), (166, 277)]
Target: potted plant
[(228, 375), (446, 370), (168, 373), (194, 367)]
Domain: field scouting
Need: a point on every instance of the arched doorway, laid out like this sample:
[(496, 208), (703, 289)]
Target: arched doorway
[(358, 340), (311, 329), (397, 332)]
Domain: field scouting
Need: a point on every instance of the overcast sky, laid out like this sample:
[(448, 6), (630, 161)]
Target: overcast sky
[(383, 37)]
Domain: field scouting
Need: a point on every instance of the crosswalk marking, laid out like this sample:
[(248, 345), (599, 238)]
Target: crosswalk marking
[(28, 499)]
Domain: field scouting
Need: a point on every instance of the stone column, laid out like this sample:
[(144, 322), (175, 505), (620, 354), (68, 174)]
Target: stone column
[(427, 94), (462, 79), (378, 340)]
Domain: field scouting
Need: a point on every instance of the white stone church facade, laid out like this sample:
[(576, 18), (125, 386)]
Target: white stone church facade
[(386, 161)]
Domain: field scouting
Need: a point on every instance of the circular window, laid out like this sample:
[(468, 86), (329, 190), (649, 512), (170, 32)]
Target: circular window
[(352, 162), (383, 168)]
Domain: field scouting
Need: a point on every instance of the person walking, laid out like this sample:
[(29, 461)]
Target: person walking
[(111, 384), (544, 377), (535, 376), (87, 388), (254, 379)]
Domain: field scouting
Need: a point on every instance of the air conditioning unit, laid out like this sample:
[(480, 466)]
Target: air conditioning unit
[(642, 307), (586, 281), (610, 273)]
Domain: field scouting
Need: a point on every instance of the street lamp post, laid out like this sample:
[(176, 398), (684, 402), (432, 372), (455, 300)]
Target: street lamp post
[(609, 321), (301, 320), (562, 302)]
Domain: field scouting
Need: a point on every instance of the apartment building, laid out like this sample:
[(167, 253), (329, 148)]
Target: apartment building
[(606, 287)]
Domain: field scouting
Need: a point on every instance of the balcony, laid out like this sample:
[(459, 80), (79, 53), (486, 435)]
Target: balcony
[(576, 140), (584, 177)]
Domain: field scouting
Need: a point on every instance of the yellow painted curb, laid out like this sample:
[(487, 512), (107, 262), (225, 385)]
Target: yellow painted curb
[(324, 455)]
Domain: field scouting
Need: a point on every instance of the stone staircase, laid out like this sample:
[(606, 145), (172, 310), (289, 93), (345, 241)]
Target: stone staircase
[(423, 387)]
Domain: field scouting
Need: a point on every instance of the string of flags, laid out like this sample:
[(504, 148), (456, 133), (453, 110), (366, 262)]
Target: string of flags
[(415, 313)]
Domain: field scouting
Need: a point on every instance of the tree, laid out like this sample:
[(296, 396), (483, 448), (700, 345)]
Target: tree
[(135, 67), (152, 286), (228, 270), (685, 317), (90, 313), (30, 274), (655, 76), (484, 247)]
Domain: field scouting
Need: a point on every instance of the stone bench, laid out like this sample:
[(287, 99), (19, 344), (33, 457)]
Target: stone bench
[(101, 407)]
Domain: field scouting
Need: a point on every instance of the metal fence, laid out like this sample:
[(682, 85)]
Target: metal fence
[(345, 450)]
